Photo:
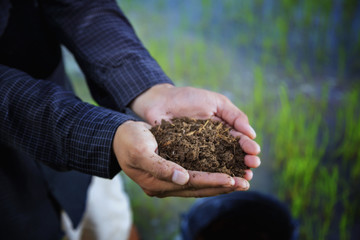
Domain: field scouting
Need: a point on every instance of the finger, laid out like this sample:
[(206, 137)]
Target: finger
[(241, 184), (205, 179), (235, 118), (151, 185), (159, 117), (217, 119), (198, 180), (207, 192), (163, 169), (247, 144), (244, 128), (155, 187), (252, 161), (248, 174), (146, 125)]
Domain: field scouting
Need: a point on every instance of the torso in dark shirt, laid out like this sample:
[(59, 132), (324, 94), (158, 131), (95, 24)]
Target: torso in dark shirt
[(27, 43), (32, 194)]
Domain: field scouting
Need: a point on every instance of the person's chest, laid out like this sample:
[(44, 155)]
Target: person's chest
[(27, 42)]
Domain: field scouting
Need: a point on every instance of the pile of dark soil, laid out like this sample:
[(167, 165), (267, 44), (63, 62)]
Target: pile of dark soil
[(200, 145)]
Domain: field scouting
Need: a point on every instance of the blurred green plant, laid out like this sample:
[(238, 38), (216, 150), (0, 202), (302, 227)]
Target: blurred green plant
[(297, 152), (348, 125), (192, 61), (218, 46)]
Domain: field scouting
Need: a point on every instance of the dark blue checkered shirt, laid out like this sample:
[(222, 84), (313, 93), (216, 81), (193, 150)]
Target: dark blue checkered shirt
[(42, 121), (51, 124)]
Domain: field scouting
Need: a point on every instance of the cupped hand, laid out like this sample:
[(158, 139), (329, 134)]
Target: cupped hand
[(135, 149), (164, 101)]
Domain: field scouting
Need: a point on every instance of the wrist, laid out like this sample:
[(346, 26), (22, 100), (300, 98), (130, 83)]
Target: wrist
[(117, 143), (143, 103)]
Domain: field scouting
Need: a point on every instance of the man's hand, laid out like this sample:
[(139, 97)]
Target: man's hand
[(165, 101), (135, 149)]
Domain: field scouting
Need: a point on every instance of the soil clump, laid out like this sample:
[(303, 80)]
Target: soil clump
[(200, 145)]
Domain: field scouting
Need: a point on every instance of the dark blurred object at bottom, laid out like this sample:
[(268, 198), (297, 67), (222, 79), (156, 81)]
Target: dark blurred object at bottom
[(239, 215)]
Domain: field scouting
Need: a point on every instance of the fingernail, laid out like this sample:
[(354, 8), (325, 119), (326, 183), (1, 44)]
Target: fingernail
[(232, 182), (244, 184), (258, 149), (253, 133), (180, 177)]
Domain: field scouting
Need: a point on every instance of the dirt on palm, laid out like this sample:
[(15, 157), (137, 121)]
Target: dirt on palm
[(200, 145)]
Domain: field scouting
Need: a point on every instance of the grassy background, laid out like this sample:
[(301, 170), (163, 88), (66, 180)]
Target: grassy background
[(294, 68)]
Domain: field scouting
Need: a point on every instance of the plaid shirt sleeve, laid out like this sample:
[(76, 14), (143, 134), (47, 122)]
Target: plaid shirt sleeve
[(117, 66), (52, 125)]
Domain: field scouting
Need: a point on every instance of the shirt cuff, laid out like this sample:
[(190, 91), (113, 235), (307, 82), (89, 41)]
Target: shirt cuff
[(89, 146)]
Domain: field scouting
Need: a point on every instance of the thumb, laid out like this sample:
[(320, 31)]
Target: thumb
[(180, 177), (164, 169)]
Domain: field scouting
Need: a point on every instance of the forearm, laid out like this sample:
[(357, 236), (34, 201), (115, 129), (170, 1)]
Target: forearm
[(115, 63), (52, 125)]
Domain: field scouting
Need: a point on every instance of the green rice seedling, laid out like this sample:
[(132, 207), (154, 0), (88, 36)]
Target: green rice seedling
[(283, 29), (347, 217), (256, 112), (291, 126), (298, 153), (348, 118), (327, 189), (160, 50), (349, 125), (199, 64)]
